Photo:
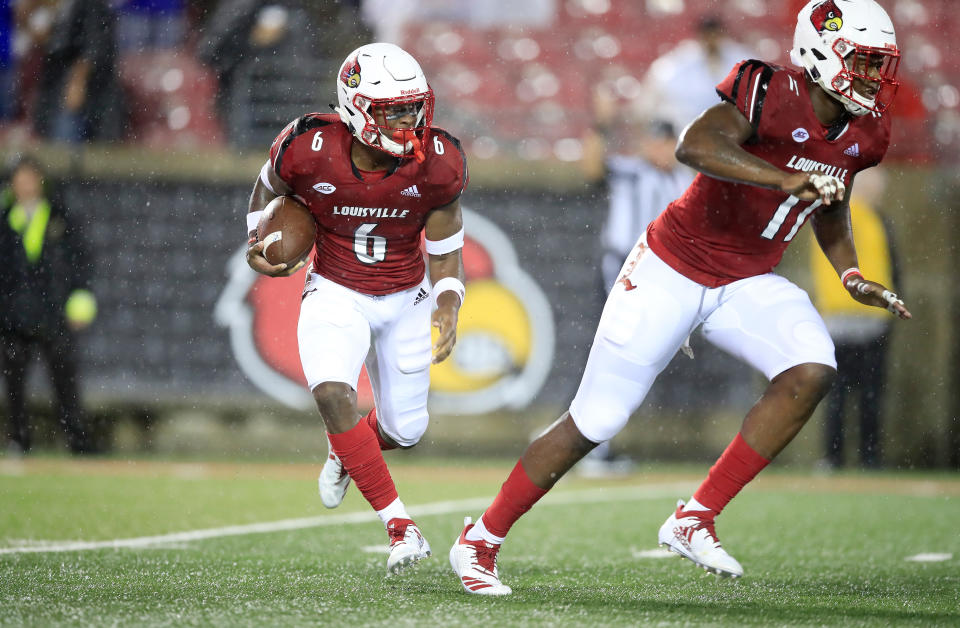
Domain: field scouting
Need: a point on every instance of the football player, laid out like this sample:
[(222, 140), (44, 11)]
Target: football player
[(376, 176), (782, 147)]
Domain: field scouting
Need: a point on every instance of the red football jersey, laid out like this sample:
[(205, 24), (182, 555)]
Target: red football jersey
[(718, 231), (368, 224)]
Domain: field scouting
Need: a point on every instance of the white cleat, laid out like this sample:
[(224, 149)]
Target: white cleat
[(407, 545), (695, 539), (333, 480), (475, 563)]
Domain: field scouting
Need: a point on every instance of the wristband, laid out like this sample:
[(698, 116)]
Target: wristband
[(253, 219), (449, 283), (848, 273)]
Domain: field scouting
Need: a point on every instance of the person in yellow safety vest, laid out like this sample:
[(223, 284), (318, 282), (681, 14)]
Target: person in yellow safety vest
[(45, 298), (860, 333)]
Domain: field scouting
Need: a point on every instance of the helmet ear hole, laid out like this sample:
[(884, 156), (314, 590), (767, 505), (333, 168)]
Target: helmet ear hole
[(819, 55)]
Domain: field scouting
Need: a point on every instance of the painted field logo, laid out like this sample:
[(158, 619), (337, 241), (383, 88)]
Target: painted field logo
[(505, 337)]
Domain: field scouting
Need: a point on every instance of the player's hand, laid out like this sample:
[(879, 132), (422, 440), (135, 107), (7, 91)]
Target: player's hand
[(810, 186), (445, 320), (872, 293), (259, 263)]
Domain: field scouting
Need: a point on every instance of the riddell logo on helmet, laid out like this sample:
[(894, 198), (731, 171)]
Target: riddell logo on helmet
[(826, 17), (350, 73), (407, 92)]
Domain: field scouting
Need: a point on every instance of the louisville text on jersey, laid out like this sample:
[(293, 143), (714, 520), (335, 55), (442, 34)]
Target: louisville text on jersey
[(370, 212), (806, 165)]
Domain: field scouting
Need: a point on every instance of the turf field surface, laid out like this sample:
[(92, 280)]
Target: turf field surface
[(173, 543)]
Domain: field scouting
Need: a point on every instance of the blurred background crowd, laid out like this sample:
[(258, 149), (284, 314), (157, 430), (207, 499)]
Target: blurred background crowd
[(151, 119)]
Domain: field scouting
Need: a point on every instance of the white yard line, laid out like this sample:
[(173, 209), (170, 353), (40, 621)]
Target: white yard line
[(465, 506)]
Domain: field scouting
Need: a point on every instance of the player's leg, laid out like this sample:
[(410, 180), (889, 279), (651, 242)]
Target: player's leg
[(770, 324), (58, 352), (871, 372), (644, 322), (833, 420), (334, 338), (399, 369), (15, 359)]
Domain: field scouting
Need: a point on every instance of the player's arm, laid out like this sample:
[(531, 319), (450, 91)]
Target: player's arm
[(835, 236), (268, 187), (444, 235), (713, 145)]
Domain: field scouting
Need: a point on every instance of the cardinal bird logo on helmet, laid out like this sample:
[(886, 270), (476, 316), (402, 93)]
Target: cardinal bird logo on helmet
[(350, 73), (826, 17)]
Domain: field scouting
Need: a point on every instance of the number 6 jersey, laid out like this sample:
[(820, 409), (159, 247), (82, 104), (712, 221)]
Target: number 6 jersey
[(368, 223), (719, 231)]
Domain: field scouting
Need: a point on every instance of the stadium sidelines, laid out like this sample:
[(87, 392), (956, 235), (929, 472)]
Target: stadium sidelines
[(469, 506)]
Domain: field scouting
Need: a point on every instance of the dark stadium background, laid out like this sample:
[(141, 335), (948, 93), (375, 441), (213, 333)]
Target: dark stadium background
[(162, 211)]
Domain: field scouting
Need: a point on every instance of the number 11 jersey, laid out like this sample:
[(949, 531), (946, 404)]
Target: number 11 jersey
[(369, 224), (719, 231)]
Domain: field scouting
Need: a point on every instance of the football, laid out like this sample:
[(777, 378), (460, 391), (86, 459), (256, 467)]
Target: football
[(287, 230)]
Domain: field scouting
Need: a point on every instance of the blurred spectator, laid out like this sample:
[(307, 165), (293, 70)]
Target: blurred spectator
[(150, 25), (33, 20), (6, 61), (860, 333), (682, 83), (270, 58), (79, 97), (642, 177), (46, 299), (388, 17)]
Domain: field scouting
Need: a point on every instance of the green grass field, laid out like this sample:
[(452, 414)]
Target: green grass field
[(817, 550)]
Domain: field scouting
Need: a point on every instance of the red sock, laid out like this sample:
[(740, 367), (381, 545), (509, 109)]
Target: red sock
[(517, 495), (371, 420), (358, 451), (736, 466)]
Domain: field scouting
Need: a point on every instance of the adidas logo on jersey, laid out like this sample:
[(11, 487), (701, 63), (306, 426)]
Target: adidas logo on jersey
[(853, 151), (411, 191), (420, 295)]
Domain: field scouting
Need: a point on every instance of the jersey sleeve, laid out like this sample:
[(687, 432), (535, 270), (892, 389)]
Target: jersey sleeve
[(448, 174), (283, 153), (746, 88)]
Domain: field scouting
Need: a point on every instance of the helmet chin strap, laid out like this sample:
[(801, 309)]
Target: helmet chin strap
[(406, 135)]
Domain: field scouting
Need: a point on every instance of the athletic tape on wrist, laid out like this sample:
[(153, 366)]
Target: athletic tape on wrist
[(253, 219), (449, 283), (848, 273), (447, 245), (265, 176)]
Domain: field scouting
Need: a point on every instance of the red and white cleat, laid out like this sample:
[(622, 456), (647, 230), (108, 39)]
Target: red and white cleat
[(407, 545), (475, 563), (694, 538), (333, 480)]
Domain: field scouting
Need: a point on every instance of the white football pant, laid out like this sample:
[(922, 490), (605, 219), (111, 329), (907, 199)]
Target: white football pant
[(766, 321), (340, 330)]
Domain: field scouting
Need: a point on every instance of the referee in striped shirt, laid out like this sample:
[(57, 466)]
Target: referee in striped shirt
[(641, 175)]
